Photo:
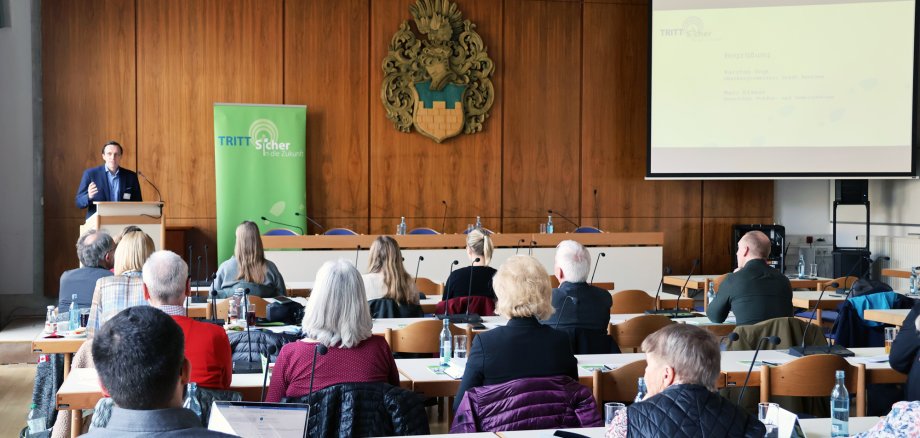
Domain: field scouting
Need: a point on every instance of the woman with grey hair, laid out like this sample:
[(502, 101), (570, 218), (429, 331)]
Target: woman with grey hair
[(337, 316), (683, 366)]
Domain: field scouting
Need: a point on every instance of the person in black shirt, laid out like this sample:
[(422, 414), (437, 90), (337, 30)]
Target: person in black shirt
[(478, 245)]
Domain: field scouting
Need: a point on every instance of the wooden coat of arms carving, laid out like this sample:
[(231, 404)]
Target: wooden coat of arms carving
[(441, 84)]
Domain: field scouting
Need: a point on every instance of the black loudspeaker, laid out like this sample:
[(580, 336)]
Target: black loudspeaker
[(851, 191), (4, 13), (851, 261)]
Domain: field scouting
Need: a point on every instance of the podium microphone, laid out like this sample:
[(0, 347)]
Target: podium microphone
[(417, 266), (677, 312), (444, 219), (198, 271), (357, 253), (595, 266), (159, 198), (561, 310), (800, 351), (206, 269), (771, 339), (297, 213), (597, 212), (283, 224), (247, 366), (446, 297), (667, 271), (518, 246), (321, 350), (563, 216), (533, 243), (471, 318)]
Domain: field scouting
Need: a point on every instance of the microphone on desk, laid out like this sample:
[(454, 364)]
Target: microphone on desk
[(563, 216), (562, 309), (247, 366), (596, 262), (771, 339), (321, 350), (533, 243), (297, 213), (447, 293), (206, 268), (198, 269), (677, 314), (800, 351), (213, 305), (471, 317), (189, 262), (357, 253), (597, 212), (518, 246), (159, 198), (283, 224), (667, 271), (732, 337), (444, 219), (417, 266)]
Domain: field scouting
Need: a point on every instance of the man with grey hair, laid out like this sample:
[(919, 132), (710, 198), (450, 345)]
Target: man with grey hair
[(580, 308), (166, 285), (95, 250), (755, 292), (681, 373)]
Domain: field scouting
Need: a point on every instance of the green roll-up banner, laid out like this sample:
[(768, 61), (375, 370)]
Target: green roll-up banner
[(260, 161)]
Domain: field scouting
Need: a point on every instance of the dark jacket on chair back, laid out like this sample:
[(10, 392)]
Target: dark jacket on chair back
[(389, 308), (905, 354), (364, 409), (690, 411)]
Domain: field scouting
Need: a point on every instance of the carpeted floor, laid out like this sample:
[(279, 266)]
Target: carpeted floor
[(15, 397)]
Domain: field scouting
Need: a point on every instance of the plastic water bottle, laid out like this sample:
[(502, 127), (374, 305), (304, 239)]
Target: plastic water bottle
[(191, 399), (478, 222), (640, 394), (401, 228), (913, 280), (49, 320), (74, 313), (801, 265), (447, 341), (711, 293), (36, 421), (549, 224), (840, 407)]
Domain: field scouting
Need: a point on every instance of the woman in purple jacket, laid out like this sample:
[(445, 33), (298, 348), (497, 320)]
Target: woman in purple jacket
[(523, 347)]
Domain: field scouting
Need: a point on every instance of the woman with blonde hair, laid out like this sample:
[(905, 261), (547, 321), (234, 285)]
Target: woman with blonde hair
[(338, 318), (248, 267), (387, 276), (479, 250), (126, 288), (523, 347)]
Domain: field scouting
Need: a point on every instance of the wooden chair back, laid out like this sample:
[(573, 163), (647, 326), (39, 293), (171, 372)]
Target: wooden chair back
[(428, 287), (813, 376), (553, 281), (422, 337), (842, 282), (631, 301), (605, 285), (619, 385), (630, 334), (304, 293), (257, 303)]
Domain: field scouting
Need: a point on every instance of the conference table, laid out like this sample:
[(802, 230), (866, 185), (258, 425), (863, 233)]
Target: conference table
[(886, 316), (813, 428), (896, 272), (701, 282)]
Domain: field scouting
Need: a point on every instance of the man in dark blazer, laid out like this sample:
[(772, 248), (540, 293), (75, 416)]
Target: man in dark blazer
[(109, 182), (755, 292), (585, 306), (905, 354)]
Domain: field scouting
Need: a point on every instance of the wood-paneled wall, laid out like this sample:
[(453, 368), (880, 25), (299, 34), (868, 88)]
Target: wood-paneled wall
[(569, 118)]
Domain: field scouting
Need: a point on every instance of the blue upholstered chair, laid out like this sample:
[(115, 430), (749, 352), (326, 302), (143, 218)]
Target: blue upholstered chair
[(280, 232), (423, 231), (340, 232), (588, 230)]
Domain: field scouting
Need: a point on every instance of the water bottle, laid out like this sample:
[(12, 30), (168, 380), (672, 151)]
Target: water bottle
[(191, 399), (549, 224), (446, 343), (913, 280), (642, 390), (801, 265), (74, 313), (36, 421), (478, 222), (401, 228), (711, 293), (236, 302), (49, 320), (840, 408)]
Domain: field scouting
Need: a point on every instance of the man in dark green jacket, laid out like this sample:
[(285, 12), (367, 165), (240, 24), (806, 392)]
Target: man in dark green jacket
[(755, 292)]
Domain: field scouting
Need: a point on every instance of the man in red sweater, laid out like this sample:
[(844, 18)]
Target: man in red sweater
[(166, 284)]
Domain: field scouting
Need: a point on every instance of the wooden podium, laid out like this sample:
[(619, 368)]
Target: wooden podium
[(113, 217)]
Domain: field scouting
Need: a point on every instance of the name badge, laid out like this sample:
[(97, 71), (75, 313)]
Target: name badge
[(127, 197)]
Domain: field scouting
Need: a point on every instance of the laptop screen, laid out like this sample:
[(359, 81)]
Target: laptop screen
[(253, 419)]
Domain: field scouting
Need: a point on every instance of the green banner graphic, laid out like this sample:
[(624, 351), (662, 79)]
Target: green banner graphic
[(260, 161)]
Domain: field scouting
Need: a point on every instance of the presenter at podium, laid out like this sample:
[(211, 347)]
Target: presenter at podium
[(109, 182)]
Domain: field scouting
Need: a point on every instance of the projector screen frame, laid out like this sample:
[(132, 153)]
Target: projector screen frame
[(914, 147)]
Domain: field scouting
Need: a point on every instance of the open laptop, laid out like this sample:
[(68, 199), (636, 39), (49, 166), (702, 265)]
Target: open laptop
[(254, 419)]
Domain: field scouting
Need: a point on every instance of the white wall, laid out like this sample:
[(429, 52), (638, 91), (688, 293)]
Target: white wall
[(20, 222)]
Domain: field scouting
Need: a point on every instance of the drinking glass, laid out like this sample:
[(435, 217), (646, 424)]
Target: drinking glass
[(460, 346), (610, 410), (813, 273), (890, 334), (767, 414), (542, 228), (84, 317)]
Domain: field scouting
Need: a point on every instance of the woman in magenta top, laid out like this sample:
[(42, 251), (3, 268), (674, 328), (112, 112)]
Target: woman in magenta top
[(338, 317)]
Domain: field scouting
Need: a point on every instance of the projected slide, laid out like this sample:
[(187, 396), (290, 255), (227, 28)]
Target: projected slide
[(781, 87)]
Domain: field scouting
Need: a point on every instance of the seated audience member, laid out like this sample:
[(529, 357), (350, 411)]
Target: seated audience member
[(138, 355), (755, 292), (478, 245), (523, 347), (903, 422), (683, 367), (94, 249), (589, 306), (126, 288), (166, 284), (248, 265), (387, 276), (337, 317), (905, 353)]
